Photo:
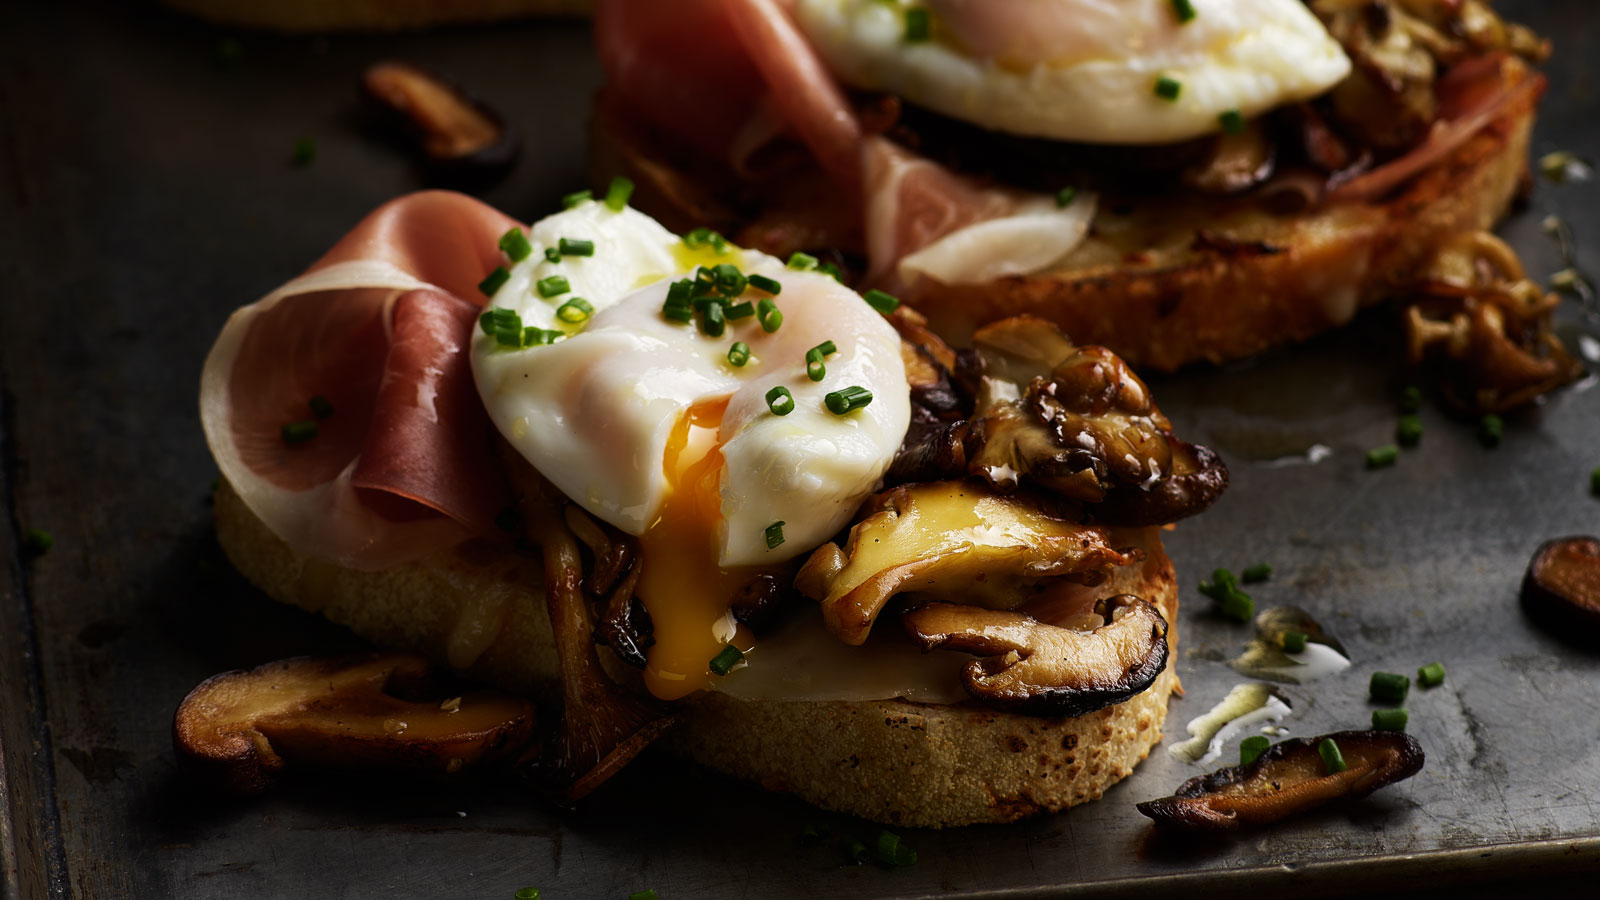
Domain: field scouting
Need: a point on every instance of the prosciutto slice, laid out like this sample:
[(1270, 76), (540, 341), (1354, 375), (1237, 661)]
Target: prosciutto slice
[(379, 327)]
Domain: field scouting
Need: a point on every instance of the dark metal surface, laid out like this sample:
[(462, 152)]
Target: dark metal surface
[(147, 191)]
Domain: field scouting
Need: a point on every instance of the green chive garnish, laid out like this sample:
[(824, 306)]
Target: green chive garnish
[(553, 286), (1388, 687), (577, 198), (1410, 399), (1232, 122), (1168, 88), (575, 247), (1295, 641), (320, 407), (893, 852), (919, 27), (722, 664), (618, 193), (305, 152), (494, 281), (1251, 748), (769, 315), (1257, 572), (729, 280), (781, 402), (678, 306), (1389, 719), (526, 893), (1238, 606), (37, 541), (847, 399), (515, 244), (774, 535), (1332, 759), (1065, 196), (551, 254), (1378, 457), (802, 261), (881, 301), (1184, 10), (1594, 482), (537, 337), (832, 271), (705, 237), (741, 310), (763, 283), (298, 432), (855, 852), (1431, 675), (498, 320), (575, 310), (1408, 431), (1490, 429), (646, 894), (815, 369), (738, 354), (712, 321), (826, 348)]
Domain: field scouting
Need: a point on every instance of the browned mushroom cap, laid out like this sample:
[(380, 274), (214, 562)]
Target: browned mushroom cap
[(950, 539), (1288, 779), (1235, 163), (1035, 669), (1562, 587), (460, 138), (1197, 479), (238, 728)]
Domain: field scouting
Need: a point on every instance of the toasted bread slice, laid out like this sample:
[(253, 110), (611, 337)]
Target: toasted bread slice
[(481, 610), (372, 15)]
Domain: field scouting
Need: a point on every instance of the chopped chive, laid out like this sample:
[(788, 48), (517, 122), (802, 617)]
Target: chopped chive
[(305, 152), (780, 401), (855, 852), (538, 337), (738, 354), (678, 307), (577, 198), (1065, 196), (575, 247), (553, 286), (1256, 573), (646, 894), (711, 320), (1408, 431), (1237, 605), (811, 835), (1332, 759), (1251, 748), (497, 319), (919, 26), (729, 280), (515, 244), (826, 348), (832, 271), (802, 261), (551, 254), (763, 283), (1378, 457), (618, 193), (1208, 588), (320, 407), (1168, 88), (1490, 429), (1431, 675), (1184, 10), (298, 432), (1594, 482), (893, 852), (723, 662), (705, 237), (1388, 687), (774, 533), (494, 281), (769, 315), (1224, 579), (37, 541), (575, 310), (1410, 399), (526, 893), (1295, 641), (846, 400), (816, 370), (1389, 719), (1232, 122), (741, 310), (881, 301)]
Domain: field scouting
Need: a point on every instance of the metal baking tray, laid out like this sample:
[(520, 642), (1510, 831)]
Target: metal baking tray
[(147, 190)]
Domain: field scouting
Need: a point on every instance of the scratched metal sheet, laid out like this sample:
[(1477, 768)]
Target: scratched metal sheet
[(147, 192)]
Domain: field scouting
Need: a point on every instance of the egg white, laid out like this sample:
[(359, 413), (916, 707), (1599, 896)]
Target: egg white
[(1082, 70)]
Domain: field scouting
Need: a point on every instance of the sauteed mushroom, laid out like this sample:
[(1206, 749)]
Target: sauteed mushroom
[(461, 139), (1562, 587), (1035, 669), (1289, 778), (625, 624), (951, 539), (1236, 162), (239, 728)]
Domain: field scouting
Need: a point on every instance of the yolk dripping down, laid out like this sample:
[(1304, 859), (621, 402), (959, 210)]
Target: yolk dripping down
[(685, 591)]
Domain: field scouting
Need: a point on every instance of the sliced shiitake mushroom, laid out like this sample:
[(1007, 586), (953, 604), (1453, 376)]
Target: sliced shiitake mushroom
[(1236, 162), (239, 728), (461, 139), (1288, 779), (1197, 479), (1035, 669), (1562, 587), (956, 540)]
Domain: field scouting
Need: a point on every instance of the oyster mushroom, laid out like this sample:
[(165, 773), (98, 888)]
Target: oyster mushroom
[(1236, 162), (951, 539), (1036, 669), (239, 728), (1562, 587), (461, 140), (1289, 778)]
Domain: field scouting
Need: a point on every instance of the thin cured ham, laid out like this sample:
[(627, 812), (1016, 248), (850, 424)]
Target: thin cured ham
[(379, 328)]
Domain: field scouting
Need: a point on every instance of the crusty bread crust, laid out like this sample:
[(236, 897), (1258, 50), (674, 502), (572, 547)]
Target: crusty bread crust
[(371, 15), (482, 611)]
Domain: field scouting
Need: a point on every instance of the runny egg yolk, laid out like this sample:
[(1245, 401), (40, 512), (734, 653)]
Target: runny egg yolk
[(686, 593)]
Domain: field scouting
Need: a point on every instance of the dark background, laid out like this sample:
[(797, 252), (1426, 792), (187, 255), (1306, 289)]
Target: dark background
[(146, 190)]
